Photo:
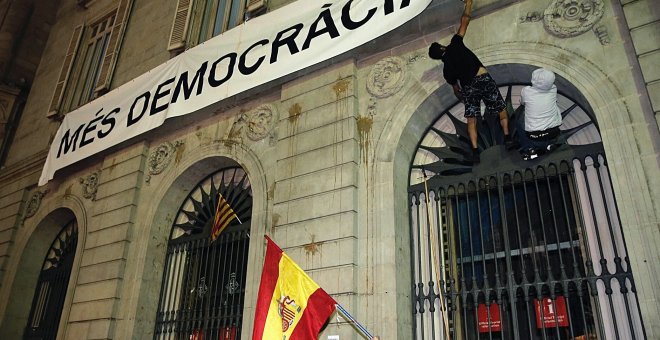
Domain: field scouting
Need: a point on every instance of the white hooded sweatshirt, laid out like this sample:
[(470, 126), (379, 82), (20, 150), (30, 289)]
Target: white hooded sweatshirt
[(540, 100)]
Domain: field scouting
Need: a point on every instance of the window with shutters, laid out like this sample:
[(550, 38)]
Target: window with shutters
[(89, 62), (196, 21)]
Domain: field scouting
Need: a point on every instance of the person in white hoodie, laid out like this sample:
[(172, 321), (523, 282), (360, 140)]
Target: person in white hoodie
[(542, 116)]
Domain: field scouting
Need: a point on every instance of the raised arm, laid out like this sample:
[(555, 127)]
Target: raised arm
[(465, 18)]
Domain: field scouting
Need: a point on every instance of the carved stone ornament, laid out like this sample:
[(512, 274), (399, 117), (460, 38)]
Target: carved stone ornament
[(570, 18), (260, 122), (34, 202), (161, 157), (90, 185), (387, 77)]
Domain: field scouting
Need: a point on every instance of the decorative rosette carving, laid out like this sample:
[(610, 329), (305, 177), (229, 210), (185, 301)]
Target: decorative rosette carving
[(90, 185), (387, 77), (260, 122), (34, 202), (570, 18), (161, 157)]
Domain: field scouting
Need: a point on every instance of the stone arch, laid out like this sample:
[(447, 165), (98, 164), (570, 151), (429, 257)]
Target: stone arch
[(32, 242), (418, 107), (170, 189)]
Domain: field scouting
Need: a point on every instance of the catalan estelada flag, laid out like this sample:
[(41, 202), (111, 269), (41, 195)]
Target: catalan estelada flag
[(290, 306), (223, 215)]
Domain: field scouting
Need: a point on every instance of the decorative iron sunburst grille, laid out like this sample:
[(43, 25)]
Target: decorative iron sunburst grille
[(445, 147), (195, 217), (500, 246), (52, 285), (203, 285)]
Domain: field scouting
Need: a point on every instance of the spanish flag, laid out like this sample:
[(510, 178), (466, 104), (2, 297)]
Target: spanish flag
[(290, 305), (223, 215)]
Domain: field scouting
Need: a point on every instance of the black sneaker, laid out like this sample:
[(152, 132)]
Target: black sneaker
[(551, 147), (528, 155)]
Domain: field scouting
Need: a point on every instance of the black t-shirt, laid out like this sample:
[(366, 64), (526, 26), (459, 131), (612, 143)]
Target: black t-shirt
[(460, 63)]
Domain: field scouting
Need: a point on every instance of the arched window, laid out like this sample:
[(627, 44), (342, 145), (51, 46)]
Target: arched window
[(513, 249), (52, 285), (203, 283)]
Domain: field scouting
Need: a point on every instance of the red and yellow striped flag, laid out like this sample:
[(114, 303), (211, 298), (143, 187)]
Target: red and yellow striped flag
[(290, 305), (223, 215)]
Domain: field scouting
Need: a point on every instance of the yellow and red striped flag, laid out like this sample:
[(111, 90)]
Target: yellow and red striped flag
[(290, 305), (223, 215)]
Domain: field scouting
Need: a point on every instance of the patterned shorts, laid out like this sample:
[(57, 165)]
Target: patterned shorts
[(482, 87)]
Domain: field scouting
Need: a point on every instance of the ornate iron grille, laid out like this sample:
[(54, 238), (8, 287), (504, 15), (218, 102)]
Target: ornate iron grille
[(51, 287), (204, 281), (514, 249)]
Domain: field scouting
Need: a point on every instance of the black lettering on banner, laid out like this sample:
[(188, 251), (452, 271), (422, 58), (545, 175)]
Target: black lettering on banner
[(91, 126), (131, 119), (330, 27), (230, 69), (289, 41), (389, 6), (69, 144), (189, 87), (251, 69), (154, 103), (348, 22), (110, 121)]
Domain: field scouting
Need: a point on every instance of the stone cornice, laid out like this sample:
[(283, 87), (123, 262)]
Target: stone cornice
[(24, 167)]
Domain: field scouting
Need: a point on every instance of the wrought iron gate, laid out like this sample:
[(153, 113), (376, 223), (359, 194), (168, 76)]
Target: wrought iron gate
[(515, 249), (204, 281), (50, 293)]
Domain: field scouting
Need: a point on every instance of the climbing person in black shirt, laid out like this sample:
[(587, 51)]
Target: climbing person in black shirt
[(471, 82)]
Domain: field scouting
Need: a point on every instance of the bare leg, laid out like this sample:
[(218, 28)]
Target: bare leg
[(504, 122), (472, 130)]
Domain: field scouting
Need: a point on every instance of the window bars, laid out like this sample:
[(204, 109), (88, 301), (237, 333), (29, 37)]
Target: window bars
[(51, 288), (203, 280), (535, 253)]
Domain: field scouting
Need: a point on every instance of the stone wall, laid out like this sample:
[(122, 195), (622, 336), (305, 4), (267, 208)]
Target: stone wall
[(327, 152)]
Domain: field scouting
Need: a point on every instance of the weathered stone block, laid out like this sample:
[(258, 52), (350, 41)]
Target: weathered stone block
[(112, 218), (330, 227), (318, 80), (649, 63), (642, 12), (105, 253), (108, 235), (323, 204), (314, 160), (645, 38), (92, 310), (297, 118), (130, 181), (341, 176), (101, 272), (97, 291)]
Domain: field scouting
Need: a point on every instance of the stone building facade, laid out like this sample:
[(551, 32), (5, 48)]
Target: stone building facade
[(329, 158)]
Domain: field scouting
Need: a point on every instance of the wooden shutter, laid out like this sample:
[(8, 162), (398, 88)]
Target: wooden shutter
[(180, 26), (255, 5), (65, 72), (114, 44)]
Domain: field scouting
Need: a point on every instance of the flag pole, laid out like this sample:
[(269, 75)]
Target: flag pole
[(363, 331), (436, 263)]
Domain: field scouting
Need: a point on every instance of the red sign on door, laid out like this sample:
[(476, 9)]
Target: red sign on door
[(225, 333), (228, 333), (554, 313), (495, 324)]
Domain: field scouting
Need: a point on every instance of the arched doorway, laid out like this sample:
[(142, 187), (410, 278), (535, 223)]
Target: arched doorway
[(204, 278), (51, 288), (519, 249)]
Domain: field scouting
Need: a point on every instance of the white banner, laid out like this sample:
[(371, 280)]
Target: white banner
[(263, 49)]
